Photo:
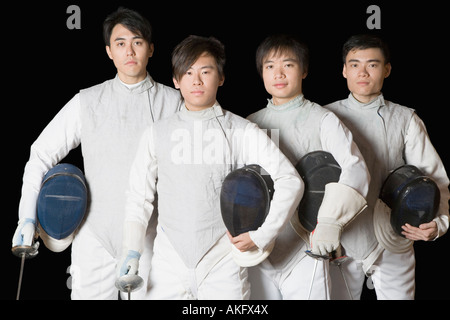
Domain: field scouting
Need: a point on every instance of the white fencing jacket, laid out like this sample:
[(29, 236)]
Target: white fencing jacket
[(108, 120), (185, 159), (389, 135), (303, 127)]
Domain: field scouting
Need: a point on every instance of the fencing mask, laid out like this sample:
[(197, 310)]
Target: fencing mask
[(412, 197), (61, 205), (317, 169), (245, 202)]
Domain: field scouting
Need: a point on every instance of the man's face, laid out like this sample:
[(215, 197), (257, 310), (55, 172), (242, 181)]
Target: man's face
[(200, 83), (365, 71), (130, 54), (283, 75)]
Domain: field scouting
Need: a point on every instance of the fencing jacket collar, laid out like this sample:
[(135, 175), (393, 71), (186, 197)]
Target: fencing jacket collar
[(375, 103), (206, 114), (294, 103), (137, 88)]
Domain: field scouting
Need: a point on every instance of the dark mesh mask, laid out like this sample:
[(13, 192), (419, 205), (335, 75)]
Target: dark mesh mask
[(245, 199)]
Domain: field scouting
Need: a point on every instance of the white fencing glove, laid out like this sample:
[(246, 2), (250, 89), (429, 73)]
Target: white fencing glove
[(340, 205), (25, 233), (129, 264), (325, 238)]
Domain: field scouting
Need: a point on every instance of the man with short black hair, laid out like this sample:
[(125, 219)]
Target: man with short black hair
[(389, 136), (305, 127), (107, 120), (189, 155)]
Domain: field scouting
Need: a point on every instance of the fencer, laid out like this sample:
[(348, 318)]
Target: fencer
[(303, 127), (389, 135), (107, 120), (190, 154)]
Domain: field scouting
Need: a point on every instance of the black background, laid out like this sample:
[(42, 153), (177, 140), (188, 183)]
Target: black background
[(45, 64)]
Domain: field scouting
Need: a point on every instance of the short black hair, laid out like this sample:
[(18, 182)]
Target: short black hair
[(366, 41), (132, 20), (282, 43), (190, 49)]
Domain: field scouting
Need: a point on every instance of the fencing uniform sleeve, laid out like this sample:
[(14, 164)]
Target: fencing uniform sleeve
[(343, 200), (140, 194), (260, 149), (337, 139), (139, 205), (420, 152), (60, 136)]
